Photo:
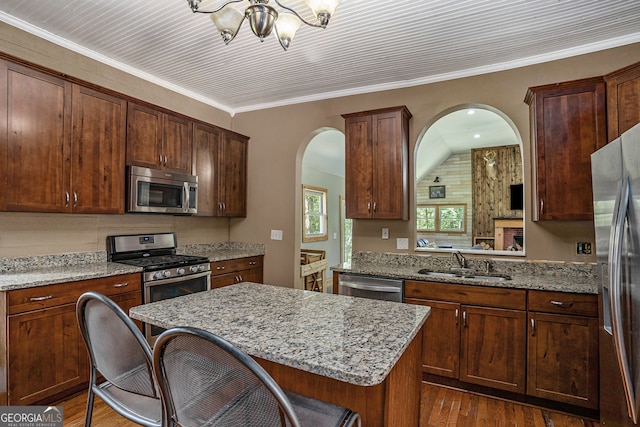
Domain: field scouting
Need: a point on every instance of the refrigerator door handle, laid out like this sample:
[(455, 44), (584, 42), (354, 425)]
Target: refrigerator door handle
[(615, 291)]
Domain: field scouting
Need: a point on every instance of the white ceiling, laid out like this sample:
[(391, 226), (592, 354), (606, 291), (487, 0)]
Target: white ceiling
[(368, 45)]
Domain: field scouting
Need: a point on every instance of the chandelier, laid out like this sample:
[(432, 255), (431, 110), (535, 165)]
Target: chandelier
[(263, 18)]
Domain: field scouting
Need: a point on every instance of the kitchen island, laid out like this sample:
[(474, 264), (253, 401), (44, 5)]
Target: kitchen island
[(359, 353)]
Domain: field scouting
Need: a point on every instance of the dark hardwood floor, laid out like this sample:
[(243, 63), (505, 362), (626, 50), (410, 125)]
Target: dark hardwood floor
[(440, 407)]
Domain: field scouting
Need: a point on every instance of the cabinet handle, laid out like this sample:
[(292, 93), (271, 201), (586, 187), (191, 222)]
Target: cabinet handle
[(252, 263), (160, 159), (121, 285), (67, 198), (165, 160), (464, 318), (457, 315), (220, 268), (75, 199), (224, 206), (368, 206), (533, 327), (375, 206), (562, 304), (541, 206), (36, 299)]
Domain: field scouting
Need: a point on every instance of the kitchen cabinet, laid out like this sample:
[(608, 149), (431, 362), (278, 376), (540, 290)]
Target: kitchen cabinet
[(376, 158), (623, 100), (228, 272), (482, 332), (568, 123), (158, 140), (562, 363), (67, 137), (45, 357), (220, 162)]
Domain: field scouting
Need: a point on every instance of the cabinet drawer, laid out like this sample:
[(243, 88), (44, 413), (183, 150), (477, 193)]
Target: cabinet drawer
[(465, 294), (23, 300), (232, 265), (563, 303)]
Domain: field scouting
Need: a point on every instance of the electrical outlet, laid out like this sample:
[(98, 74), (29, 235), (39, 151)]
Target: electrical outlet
[(276, 234), (385, 233), (583, 248), (402, 243)]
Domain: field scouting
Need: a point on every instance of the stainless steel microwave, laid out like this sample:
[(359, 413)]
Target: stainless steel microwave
[(156, 191)]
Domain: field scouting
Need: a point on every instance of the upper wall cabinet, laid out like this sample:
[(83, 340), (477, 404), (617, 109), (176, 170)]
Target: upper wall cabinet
[(623, 100), (63, 145), (376, 157), (158, 140), (220, 162), (568, 123)]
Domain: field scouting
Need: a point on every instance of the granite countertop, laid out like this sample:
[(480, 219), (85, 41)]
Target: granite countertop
[(222, 252), (354, 340), (537, 275)]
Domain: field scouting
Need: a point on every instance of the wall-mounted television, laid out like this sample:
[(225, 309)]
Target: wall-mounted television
[(517, 200)]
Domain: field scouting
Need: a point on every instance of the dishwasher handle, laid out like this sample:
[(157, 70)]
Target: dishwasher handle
[(374, 288)]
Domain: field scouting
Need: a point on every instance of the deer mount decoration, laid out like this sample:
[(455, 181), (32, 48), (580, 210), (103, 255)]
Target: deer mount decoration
[(491, 166)]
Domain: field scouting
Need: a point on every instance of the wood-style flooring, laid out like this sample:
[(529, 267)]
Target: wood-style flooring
[(440, 407)]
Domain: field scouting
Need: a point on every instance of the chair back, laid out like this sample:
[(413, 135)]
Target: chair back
[(117, 348), (204, 380)]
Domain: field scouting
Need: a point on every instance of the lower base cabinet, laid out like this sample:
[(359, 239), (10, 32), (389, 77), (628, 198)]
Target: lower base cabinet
[(229, 272), (45, 356), (539, 343)]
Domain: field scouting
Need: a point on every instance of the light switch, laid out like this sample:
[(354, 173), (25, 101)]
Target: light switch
[(276, 234), (385, 233)]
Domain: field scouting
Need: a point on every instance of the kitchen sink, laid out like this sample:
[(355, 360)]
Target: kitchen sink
[(475, 276)]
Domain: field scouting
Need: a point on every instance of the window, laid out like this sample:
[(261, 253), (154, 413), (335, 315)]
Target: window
[(442, 218), (314, 224)]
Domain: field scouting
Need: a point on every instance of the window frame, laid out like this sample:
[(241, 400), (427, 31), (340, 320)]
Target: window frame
[(322, 214), (438, 207)]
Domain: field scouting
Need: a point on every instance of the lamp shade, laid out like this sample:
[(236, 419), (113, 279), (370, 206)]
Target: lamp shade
[(227, 22), (322, 6), (286, 27)]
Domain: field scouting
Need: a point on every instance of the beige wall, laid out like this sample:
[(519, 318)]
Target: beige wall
[(278, 137)]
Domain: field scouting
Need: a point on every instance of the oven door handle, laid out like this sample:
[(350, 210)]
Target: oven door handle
[(374, 288), (177, 279)]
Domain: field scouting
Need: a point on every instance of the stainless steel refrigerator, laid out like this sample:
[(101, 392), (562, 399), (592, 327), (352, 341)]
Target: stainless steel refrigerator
[(616, 202)]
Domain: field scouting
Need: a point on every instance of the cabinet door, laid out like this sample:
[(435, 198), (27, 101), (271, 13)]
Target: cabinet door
[(176, 144), (389, 172), (493, 350), (623, 100), (144, 136), (232, 175), (126, 301), (569, 123), (98, 143), (46, 354), (206, 140), (359, 167), (563, 358), (38, 141), (441, 338)]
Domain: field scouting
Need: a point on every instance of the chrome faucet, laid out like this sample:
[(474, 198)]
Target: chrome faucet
[(460, 258)]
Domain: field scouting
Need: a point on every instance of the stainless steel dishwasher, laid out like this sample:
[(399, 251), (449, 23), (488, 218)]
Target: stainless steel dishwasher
[(372, 287)]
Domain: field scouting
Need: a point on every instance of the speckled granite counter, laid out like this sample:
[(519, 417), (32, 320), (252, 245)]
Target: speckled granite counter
[(354, 340), (19, 273), (223, 251), (541, 275)]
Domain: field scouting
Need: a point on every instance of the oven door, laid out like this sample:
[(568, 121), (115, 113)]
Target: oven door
[(158, 290)]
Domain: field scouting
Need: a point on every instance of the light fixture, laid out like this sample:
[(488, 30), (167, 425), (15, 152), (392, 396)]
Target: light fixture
[(263, 18)]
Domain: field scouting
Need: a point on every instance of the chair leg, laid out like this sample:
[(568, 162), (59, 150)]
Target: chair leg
[(90, 396)]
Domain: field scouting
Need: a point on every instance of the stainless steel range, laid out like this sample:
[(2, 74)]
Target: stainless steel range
[(165, 273)]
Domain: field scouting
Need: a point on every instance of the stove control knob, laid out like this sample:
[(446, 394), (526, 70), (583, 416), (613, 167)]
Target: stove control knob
[(193, 269), (201, 267), (180, 270), (157, 275), (166, 273)]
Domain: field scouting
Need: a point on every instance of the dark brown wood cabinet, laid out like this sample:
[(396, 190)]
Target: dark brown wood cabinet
[(68, 136), (562, 364), (220, 162), (158, 140), (376, 157), (482, 332), (45, 355), (229, 272), (623, 100), (568, 122)]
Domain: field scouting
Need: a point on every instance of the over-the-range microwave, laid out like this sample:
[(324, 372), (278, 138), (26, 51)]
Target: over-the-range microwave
[(156, 191)]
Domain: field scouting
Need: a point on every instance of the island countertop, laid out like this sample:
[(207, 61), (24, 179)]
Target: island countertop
[(354, 340)]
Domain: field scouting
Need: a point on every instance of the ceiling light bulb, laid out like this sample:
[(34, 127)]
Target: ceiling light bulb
[(228, 21), (323, 9), (286, 27)]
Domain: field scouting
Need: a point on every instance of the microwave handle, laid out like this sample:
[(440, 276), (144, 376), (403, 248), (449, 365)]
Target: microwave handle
[(185, 193)]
